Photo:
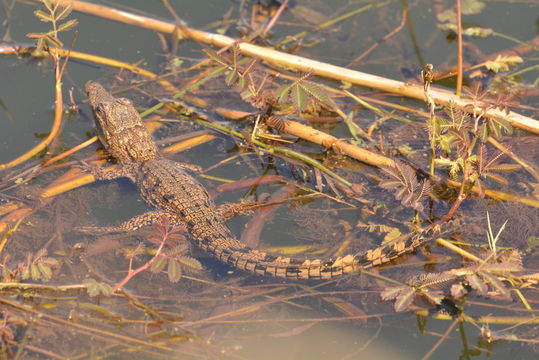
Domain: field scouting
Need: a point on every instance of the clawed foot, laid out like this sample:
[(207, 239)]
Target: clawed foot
[(229, 210), (190, 167)]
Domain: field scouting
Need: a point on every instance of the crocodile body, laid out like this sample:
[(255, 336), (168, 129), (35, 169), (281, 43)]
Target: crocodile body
[(169, 188)]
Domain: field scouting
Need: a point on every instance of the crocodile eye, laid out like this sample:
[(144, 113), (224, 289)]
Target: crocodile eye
[(101, 110), (124, 101)]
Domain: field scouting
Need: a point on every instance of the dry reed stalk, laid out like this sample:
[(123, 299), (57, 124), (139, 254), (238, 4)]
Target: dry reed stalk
[(441, 97)]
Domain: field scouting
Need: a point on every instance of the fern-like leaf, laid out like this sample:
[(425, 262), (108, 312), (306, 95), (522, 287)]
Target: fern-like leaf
[(403, 183)]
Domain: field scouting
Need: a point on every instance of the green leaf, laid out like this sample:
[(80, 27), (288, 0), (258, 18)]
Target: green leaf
[(317, 92), (283, 92), (478, 32), (36, 35), (105, 289), (158, 265), (47, 4), (35, 274), (345, 85), (94, 288), (448, 15), (68, 25), (299, 98), (43, 16), (53, 41), (433, 298), (46, 271), (50, 261), (477, 284), (242, 82), (502, 63), (174, 271), (26, 273), (404, 299), (471, 7), (64, 13), (391, 293), (231, 78), (215, 57), (496, 284), (352, 127), (191, 262)]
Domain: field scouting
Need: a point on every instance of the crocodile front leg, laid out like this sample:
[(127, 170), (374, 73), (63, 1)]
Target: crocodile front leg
[(111, 172)]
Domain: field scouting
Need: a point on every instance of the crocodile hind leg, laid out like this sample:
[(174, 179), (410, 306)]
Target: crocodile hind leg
[(134, 223)]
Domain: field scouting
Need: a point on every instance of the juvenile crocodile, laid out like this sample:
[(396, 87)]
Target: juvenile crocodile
[(169, 188)]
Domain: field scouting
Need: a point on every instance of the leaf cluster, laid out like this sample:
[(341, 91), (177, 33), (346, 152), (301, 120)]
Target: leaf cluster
[(37, 267), (417, 286), (174, 258), (231, 61), (403, 182), (485, 275), (95, 288), (461, 140), (55, 13), (303, 95)]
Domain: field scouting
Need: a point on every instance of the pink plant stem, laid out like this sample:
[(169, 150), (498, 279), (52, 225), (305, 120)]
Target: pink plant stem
[(132, 273)]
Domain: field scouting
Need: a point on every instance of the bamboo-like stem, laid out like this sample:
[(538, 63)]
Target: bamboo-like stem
[(299, 63), (318, 137), (331, 142)]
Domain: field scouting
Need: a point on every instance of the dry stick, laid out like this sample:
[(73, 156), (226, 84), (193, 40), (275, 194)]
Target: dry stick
[(56, 126), (441, 339), (275, 17), (529, 168), (84, 328), (303, 64), (329, 141), (459, 48), (385, 38)]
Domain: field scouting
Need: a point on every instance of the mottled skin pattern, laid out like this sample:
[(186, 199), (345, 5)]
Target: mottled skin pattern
[(173, 192)]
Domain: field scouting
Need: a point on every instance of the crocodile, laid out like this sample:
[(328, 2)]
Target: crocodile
[(173, 192)]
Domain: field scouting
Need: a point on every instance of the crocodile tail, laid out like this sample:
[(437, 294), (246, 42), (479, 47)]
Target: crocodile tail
[(261, 263)]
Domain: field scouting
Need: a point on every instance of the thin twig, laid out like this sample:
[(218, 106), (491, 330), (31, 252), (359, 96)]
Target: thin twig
[(275, 17), (385, 38), (440, 340), (459, 48)]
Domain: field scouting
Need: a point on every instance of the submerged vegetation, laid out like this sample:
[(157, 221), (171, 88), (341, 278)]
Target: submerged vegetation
[(357, 169)]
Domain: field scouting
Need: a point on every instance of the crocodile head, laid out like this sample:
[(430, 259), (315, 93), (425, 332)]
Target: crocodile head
[(119, 126)]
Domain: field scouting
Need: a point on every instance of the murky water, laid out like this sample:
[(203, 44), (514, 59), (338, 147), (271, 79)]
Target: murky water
[(219, 312)]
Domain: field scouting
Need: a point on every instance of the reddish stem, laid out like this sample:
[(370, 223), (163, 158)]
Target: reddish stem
[(132, 273)]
